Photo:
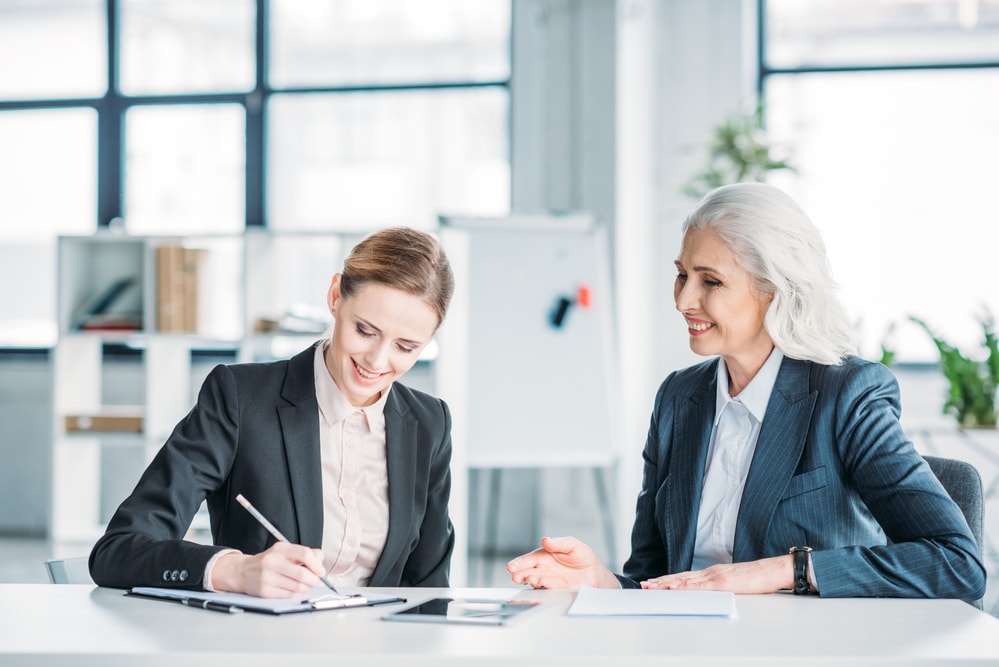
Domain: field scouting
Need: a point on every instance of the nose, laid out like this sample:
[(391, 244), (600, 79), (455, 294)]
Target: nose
[(377, 357), (684, 296)]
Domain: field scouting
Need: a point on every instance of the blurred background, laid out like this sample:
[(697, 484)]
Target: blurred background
[(275, 133)]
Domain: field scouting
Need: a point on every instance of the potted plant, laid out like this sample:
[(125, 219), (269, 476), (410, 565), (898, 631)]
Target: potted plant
[(739, 151), (971, 397)]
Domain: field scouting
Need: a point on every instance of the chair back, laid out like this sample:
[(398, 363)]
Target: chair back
[(69, 570), (963, 484)]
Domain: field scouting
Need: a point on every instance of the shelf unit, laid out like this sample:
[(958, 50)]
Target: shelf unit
[(156, 385)]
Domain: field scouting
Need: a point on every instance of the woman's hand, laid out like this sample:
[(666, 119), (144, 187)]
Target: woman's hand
[(281, 571), (561, 562), (767, 575)]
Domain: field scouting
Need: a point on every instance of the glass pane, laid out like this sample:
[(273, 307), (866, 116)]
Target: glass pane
[(902, 187), (185, 169), (48, 186), (48, 173), (186, 46), (52, 48), (364, 160), (357, 42), (852, 32)]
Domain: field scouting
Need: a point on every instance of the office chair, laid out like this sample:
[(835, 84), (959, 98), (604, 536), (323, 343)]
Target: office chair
[(963, 484), (69, 570)]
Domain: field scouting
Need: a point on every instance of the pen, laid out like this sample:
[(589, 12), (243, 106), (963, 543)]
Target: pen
[(278, 535), (212, 606)]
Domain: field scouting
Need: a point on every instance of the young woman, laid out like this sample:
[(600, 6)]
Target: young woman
[(780, 462), (351, 466)]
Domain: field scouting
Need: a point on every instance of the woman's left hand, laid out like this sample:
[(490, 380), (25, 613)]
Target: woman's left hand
[(767, 575)]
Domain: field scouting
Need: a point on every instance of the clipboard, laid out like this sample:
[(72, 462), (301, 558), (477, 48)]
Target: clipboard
[(318, 599)]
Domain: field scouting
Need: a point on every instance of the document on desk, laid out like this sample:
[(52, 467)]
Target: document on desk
[(318, 599), (640, 602)]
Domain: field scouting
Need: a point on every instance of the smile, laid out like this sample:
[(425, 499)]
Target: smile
[(699, 326), (365, 374)]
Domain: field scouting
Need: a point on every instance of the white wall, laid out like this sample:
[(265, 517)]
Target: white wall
[(613, 107)]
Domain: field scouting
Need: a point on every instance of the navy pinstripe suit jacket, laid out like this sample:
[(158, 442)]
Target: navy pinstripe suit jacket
[(832, 470)]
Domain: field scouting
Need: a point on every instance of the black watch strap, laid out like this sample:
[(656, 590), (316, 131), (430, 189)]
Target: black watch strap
[(800, 555)]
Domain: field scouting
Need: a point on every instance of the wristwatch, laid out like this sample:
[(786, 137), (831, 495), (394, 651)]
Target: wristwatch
[(800, 555)]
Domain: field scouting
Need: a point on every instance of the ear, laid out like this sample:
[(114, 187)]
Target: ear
[(333, 295)]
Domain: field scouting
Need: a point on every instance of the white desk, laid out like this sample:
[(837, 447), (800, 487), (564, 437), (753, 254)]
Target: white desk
[(83, 626)]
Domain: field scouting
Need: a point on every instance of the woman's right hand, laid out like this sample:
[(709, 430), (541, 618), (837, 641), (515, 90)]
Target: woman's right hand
[(561, 562), (281, 571)]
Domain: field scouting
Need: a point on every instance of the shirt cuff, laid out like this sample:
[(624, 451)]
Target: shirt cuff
[(811, 575), (207, 579)]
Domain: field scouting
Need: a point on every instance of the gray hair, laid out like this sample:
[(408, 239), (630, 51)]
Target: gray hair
[(780, 247)]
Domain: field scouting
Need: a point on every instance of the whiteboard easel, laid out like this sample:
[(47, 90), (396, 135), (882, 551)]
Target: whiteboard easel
[(528, 389)]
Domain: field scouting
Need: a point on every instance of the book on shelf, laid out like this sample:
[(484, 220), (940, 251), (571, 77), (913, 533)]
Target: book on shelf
[(177, 275), (112, 322), (123, 419)]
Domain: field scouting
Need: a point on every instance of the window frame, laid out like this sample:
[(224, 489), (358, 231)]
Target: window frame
[(111, 109)]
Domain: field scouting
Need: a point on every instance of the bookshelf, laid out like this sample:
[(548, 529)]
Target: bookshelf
[(120, 386)]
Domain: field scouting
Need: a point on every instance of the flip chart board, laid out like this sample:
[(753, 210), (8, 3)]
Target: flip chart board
[(530, 335)]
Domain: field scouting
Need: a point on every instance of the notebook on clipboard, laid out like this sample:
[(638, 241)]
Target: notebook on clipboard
[(318, 599)]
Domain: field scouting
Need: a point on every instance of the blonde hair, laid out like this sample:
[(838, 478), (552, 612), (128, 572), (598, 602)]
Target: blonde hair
[(404, 258)]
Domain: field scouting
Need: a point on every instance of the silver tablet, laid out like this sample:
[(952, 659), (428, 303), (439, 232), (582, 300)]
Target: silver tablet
[(463, 610)]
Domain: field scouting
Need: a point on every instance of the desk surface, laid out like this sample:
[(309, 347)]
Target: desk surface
[(84, 625)]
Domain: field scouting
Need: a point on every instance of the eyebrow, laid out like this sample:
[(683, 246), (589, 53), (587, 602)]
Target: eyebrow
[(701, 269), (402, 340)]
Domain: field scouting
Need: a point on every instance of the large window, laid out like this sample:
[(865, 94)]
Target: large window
[(187, 116), (891, 112)]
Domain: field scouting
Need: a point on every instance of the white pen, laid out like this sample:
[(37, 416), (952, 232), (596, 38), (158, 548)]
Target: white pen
[(278, 535)]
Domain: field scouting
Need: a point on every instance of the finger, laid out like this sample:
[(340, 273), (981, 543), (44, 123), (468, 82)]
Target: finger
[(565, 545), (306, 558), (526, 561)]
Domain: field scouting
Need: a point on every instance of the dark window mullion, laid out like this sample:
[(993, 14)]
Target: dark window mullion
[(110, 131), (256, 105)]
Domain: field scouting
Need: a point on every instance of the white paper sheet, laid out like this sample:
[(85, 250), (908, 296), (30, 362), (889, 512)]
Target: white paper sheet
[(640, 602)]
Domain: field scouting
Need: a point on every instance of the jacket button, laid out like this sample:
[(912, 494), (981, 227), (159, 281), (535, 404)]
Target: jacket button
[(166, 575), (174, 575), (183, 575)]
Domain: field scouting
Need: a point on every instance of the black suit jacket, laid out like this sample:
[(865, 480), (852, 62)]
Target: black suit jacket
[(255, 431)]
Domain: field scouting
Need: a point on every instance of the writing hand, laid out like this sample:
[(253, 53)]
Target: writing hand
[(561, 562), (767, 575), (277, 572)]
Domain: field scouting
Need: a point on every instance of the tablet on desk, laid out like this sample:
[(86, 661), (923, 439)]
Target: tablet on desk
[(464, 610)]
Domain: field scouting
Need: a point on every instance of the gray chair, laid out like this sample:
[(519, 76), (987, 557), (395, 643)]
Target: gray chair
[(69, 570), (963, 484)]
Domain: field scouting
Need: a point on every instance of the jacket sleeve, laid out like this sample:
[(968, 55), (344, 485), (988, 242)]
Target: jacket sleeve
[(648, 554), (143, 544), (429, 563), (931, 550)]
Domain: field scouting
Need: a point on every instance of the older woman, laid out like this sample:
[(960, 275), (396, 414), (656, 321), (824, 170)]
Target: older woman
[(779, 463)]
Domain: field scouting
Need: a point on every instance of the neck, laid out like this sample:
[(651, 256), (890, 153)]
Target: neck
[(742, 369)]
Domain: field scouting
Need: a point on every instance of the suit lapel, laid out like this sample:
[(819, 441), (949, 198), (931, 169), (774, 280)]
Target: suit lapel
[(690, 440), (300, 433), (778, 450), (400, 454)]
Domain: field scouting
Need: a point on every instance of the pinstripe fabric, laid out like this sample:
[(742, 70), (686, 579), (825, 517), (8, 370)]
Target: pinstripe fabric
[(832, 470)]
